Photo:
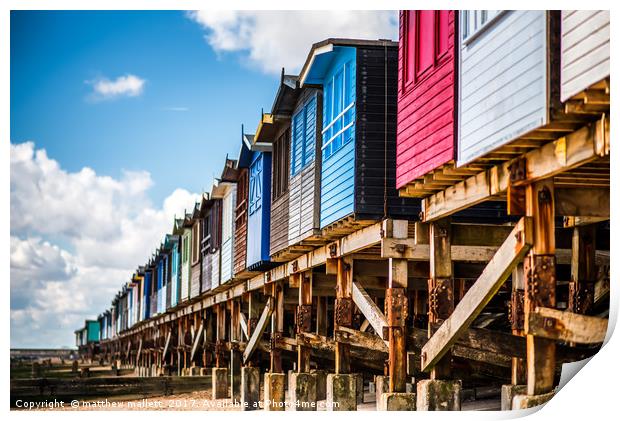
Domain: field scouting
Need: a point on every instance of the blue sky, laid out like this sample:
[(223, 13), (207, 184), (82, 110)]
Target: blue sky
[(119, 120), (193, 103)]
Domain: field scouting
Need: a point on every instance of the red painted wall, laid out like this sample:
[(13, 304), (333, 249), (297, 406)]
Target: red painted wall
[(426, 92)]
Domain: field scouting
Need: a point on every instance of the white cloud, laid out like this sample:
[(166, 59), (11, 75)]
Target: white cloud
[(275, 39), (127, 85), (76, 237), (179, 109)]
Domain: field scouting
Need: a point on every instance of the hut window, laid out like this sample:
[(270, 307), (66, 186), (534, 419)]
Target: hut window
[(280, 165), (426, 41), (474, 21), (338, 109), (256, 187), (303, 136), (195, 242)]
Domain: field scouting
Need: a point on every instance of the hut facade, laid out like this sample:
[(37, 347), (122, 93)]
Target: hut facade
[(211, 211), (425, 135), (196, 256), (585, 50), (226, 189), (241, 210), (358, 149)]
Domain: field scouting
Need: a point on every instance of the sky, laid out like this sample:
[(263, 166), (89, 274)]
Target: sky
[(119, 120)]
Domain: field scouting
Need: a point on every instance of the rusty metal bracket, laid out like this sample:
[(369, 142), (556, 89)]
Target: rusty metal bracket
[(580, 297), (440, 299), (333, 250), (295, 266), (540, 285), (518, 170), (220, 347), (275, 340), (303, 317), (516, 309), (396, 306), (343, 312)]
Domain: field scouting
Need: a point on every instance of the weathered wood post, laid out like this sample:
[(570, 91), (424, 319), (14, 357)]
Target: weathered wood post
[(220, 372), (303, 384), (342, 386), (396, 307), (440, 393), (583, 269), (540, 286), (275, 379), (235, 354)]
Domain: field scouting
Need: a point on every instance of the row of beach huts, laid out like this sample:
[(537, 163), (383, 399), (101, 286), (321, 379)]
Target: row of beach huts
[(374, 130)]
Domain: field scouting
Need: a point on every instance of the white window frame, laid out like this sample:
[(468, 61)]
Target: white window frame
[(475, 22)]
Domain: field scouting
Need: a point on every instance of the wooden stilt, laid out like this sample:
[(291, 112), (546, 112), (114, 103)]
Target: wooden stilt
[(343, 313), (583, 270), (540, 284), (516, 319), (277, 327), (396, 312), (304, 319), (441, 287)]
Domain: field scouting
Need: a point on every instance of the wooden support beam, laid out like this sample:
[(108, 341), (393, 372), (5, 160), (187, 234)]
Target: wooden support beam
[(516, 314), (277, 326), (361, 339), (304, 319), (343, 313), (583, 270), (494, 275), (257, 333), (139, 350), (583, 202), (540, 284), (243, 321), (369, 309), (566, 326), (578, 148), (197, 340), (167, 344), (396, 312), (440, 289), (321, 315)]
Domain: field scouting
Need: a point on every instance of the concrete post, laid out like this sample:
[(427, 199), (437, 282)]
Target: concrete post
[(439, 395), (302, 392), (250, 388), (382, 385), (321, 384), (509, 391), (341, 392), (530, 401), (219, 381), (274, 399), (397, 402)]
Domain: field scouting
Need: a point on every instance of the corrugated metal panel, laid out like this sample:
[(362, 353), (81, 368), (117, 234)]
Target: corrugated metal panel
[(502, 82), (585, 50)]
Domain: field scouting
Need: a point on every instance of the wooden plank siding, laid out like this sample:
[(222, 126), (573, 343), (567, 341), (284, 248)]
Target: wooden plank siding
[(502, 81), (376, 195), (196, 259), (241, 222), (228, 214), (585, 50), (426, 104), (259, 211), (304, 186), (279, 224)]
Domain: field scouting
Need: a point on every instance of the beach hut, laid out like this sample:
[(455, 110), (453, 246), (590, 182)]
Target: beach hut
[(171, 245), (585, 57), (195, 224), (259, 203), (275, 128), (210, 212), (358, 80), (508, 83), (425, 137), (225, 189), (186, 266), (241, 210)]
